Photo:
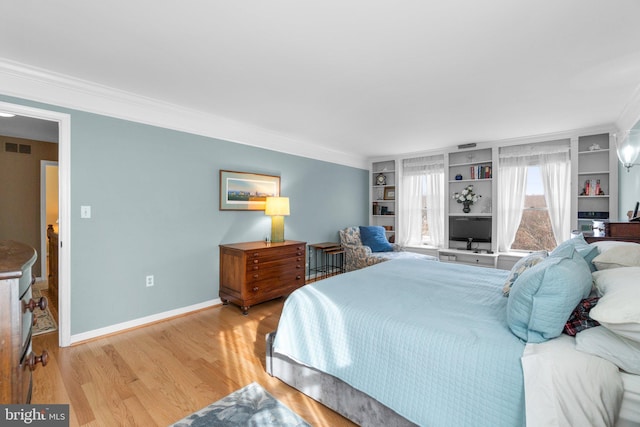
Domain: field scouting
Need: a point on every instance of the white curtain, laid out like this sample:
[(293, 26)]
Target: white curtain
[(435, 208), (556, 179), (422, 176), (410, 214), (553, 157), (512, 180)]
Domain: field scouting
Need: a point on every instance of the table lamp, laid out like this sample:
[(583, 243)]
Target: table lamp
[(277, 208)]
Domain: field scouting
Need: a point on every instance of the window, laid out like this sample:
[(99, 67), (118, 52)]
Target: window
[(534, 195), (421, 220), (535, 232)]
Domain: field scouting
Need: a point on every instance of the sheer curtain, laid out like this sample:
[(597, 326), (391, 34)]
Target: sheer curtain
[(556, 179), (421, 177), (512, 180), (554, 160)]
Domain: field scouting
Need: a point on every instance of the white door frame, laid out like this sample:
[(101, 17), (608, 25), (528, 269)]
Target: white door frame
[(43, 216), (64, 204)]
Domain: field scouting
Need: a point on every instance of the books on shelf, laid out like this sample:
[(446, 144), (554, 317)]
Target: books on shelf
[(480, 172)]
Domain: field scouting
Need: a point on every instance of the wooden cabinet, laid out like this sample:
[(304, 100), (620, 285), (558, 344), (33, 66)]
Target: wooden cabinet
[(622, 231), (254, 272), (16, 320)]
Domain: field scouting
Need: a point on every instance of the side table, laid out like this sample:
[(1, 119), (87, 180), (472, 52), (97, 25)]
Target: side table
[(325, 259)]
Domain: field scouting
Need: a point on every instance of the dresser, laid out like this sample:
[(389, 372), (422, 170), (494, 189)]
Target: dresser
[(16, 320), (254, 272), (624, 231)]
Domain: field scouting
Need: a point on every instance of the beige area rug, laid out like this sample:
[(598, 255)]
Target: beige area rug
[(45, 322)]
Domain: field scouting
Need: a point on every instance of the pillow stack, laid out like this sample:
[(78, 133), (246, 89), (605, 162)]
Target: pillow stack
[(617, 282), (543, 296)]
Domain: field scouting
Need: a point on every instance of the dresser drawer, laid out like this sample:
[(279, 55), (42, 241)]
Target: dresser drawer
[(269, 255), (27, 320), (25, 376), (263, 290)]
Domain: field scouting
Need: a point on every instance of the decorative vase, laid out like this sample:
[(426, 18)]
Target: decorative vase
[(467, 207)]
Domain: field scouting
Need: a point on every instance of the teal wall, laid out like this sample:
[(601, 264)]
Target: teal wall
[(154, 195)]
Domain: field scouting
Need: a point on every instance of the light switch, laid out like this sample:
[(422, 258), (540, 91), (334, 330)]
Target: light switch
[(85, 211)]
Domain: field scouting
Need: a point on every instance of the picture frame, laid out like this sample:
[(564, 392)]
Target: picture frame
[(246, 191), (390, 193)]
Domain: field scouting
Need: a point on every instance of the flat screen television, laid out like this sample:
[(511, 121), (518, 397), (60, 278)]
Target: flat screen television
[(463, 228)]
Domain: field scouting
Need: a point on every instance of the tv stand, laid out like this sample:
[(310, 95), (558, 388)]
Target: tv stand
[(464, 256)]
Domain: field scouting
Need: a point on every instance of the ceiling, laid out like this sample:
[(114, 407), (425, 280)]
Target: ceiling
[(365, 77)]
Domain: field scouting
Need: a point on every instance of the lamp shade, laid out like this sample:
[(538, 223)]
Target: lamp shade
[(277, 206), (628, 148)]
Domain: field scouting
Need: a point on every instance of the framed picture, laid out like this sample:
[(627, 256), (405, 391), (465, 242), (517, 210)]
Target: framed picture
[(243, 191), (390, 193)]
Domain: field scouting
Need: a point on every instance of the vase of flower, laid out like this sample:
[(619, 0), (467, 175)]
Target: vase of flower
[(467, 197)]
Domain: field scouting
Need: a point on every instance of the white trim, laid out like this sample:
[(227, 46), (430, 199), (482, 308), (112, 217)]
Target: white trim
[(64, 203), (142, 321), (41, 85), (43, 216)]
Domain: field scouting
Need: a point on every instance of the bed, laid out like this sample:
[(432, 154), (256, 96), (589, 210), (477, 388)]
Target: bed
[(415, 342)]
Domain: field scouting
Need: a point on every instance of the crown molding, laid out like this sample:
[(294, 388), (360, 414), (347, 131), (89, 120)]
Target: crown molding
[(36, 84)]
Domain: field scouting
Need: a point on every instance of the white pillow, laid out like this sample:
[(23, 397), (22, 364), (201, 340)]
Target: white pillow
[(619, 256), (619, 307), (605, 245), (618, 350)]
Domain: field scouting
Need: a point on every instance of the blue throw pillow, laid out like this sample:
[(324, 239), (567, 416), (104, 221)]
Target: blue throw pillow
[(587, 251), (543, 297), (374, 237)]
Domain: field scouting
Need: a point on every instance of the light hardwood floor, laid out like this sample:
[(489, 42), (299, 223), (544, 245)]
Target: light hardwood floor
[(158, 374)]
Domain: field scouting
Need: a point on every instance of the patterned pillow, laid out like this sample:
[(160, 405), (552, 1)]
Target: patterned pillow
[(520, 267), (579, 319)]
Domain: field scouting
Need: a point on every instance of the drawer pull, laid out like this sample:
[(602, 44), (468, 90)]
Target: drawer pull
[(298, 266), (33, 360), (255, 255), (255, 289), (255, 261), (298, 277), (41, 304), (255, 276)]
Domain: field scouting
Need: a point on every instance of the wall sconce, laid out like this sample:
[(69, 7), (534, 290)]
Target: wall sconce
[(277, 208), (629, 148)]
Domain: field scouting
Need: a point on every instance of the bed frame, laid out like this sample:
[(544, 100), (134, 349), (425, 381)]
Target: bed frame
[(332, 392)]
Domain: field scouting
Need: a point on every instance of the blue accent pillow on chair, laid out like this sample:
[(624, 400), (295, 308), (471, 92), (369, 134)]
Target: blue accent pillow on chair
[(375, 237)]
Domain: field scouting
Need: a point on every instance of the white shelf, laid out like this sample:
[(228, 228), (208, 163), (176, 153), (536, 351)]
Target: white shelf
[(470, 180), (602, 150), (485, 214), (454, 165), (594, 173)]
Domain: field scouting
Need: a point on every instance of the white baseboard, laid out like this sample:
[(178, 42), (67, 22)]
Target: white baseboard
[(96, 333)]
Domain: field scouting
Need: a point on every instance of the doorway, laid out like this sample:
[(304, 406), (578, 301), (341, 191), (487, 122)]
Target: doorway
[(64, 191)]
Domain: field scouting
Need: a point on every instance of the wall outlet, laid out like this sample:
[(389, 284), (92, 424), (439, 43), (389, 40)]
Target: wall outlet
[(149, 281)]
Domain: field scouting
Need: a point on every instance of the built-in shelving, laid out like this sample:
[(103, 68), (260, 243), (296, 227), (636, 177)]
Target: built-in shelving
[(596, 181), (383, 196)]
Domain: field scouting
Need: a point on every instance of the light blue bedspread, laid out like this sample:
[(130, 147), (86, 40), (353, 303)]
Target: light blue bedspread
[(427, 339)]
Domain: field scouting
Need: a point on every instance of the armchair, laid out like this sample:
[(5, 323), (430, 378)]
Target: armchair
[(358, 256)]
